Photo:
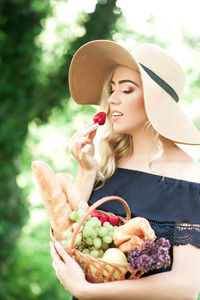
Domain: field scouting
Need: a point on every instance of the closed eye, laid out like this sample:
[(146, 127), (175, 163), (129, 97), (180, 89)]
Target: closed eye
[(127, 91), (124, 91)]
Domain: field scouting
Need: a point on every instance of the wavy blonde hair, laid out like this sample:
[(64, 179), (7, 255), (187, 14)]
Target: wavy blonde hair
[(112, 146)]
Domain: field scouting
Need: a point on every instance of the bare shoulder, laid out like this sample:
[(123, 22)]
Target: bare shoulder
[(184, 167), (191, 170)]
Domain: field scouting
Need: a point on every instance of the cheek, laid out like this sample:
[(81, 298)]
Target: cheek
[(137, 108)]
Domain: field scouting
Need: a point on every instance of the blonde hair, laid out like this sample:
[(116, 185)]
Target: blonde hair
[(113, 146)]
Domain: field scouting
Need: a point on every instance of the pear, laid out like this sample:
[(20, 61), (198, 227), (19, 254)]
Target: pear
[(114, 255)]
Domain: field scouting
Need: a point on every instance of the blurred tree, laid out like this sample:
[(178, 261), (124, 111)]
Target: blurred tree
[(20, 24), (24, 98)]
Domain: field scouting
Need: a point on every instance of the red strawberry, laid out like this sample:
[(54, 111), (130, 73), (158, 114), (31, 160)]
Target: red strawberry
[(95, 213), (114, 220), (100, 118), (103, 218)]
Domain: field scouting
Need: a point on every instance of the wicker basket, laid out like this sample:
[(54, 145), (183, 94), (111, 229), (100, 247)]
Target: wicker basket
[(95, 269)]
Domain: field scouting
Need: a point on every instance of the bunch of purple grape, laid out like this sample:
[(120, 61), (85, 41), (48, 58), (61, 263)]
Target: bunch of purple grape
[(151, 256)]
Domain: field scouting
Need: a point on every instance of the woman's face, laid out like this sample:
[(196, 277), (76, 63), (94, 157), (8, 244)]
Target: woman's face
[(126, 101)]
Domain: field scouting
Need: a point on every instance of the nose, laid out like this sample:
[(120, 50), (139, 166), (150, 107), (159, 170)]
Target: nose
[(114, 98)]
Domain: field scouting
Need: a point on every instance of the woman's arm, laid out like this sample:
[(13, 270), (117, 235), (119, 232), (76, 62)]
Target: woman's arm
[(163, 286), (81, 147), (181, 283), (85, 182)]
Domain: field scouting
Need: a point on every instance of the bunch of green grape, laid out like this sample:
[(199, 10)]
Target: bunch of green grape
[(93, 238)]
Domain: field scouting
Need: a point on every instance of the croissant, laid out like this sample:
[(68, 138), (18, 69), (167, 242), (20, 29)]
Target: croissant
[(59, 194), (133, 233), (133, 242)]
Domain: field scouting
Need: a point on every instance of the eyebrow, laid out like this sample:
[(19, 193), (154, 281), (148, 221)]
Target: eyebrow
[(125, 80)]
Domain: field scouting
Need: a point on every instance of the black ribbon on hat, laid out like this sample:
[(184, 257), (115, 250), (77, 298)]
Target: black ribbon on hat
[(163, 84)]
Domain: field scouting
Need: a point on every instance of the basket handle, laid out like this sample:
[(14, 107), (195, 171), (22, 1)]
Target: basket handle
[(90, 210)]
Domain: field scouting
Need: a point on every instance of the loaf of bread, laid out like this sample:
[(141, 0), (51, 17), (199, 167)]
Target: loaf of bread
[(59, 194)]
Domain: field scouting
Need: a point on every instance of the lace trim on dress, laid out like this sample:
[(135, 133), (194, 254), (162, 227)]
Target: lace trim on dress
[(177, 233)]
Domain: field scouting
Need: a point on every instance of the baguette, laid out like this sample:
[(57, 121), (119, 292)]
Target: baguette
[(59, 194)]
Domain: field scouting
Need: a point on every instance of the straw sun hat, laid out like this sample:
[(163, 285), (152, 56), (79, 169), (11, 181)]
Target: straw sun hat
[(163, 82)]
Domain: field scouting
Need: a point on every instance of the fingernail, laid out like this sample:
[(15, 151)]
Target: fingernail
[(95, 125), (58, 245), (86, 148)]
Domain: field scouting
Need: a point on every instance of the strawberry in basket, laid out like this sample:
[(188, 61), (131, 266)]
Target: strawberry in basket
[(95, 234)]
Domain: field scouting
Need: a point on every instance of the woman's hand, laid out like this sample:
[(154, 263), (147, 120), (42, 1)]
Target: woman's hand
[(68, 271), (82, 148)]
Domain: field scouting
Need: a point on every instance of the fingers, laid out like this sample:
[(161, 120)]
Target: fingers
[(60, 255), (85, 149), (55, 269), (82, 137), (76, 146), (82, 148), (58, 275), (67, 269), (57, 259), (92, 135), (87, 130)]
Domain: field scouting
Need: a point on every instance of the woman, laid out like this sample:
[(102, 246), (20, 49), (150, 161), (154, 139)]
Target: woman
[(140, 162)]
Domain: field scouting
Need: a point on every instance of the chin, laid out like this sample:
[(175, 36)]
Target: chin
[(117, 128), (123, 130)]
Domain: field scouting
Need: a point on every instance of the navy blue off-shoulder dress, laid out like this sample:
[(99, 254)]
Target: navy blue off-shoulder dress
[(172, 206)]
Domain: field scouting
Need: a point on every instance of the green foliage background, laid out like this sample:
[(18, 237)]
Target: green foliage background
[(37, 118)]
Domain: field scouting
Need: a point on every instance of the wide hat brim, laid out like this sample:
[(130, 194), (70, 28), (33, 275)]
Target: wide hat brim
[(88, 70)]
